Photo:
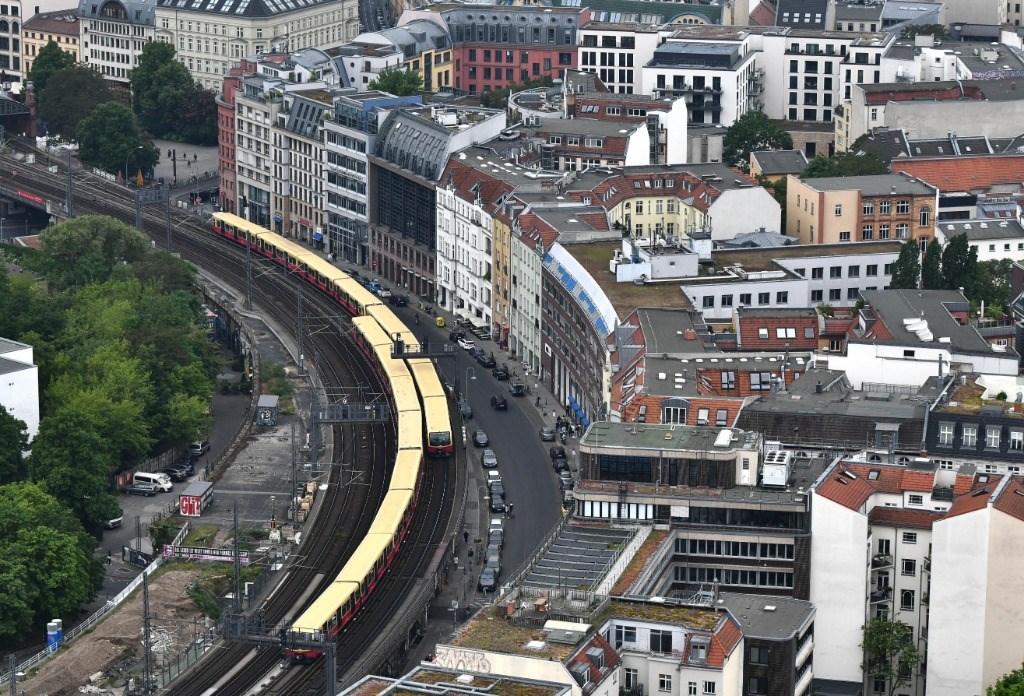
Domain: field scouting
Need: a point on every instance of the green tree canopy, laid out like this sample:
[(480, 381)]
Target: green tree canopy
[(959, 263), (13, 441), (907, 268), (1010, 684), (889, 652), (87, 249), (752, 132), (991, 283), (196, 121), (939, 31), (109, 138), (49, 60), (71, 95), (401, 83), (846, 164), (159, 88), (931, 267)]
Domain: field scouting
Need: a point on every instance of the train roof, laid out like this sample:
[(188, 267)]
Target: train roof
[(406, 471), (391, 513), (363, 561), (319, 613), (425, 373)]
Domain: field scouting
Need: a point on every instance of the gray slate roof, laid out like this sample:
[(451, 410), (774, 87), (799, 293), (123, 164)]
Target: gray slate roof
[(982, 230)]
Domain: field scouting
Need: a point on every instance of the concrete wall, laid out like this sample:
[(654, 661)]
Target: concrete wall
[(638, 148), (866, 362), (958, 604), (996, 119), (1004, 617), (975, 11), (19, 394), (742, 210), (839, 588), (796, 287)]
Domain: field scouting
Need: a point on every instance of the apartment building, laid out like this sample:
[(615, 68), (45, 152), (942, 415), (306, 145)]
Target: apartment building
[(113, 35), (531, 237), (19, 393), (618, 52), (833, 210), (210, 37), (992, 238), (62, 27)]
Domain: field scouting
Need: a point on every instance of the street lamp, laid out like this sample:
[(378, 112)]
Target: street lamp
[(128, 157)]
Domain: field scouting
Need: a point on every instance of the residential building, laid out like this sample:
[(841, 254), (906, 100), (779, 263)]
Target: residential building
[(61, 27), (967, 179), (114, 33), (992, 239), (857, 16), (360, 62), (832, 210), (907, 336), (412, 149), (617, 52), (927, 59), (974, 634), (776, 164), (426, 47), (210, 37), (789, 277), (782, 328), (226, 135), (350, 136), (19, 390), (992, 12), (926, 110), (898, 13), (531, 236), (805, 14)]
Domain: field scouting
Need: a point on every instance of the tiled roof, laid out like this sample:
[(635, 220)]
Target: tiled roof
[(975, 500), (950, 174), (897, 517), (59, 22), (725, 640), (918, 481), (849, 492), (611, 658), (763, 15), (1011, 499)]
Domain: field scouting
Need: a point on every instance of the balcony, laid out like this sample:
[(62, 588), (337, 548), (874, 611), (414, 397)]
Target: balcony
[(880, 561), (803, 682), (927, 565), (804, 651), (880, 595)]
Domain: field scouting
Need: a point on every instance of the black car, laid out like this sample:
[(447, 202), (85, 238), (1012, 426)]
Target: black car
[(398, 300), (500, 373), (466, 410), (480, 439), (177, 474), (517, 389), (499, 403), (555, 452), (497, 503), (486, 360), (497, 488), (488, 581), (188, 463), (454, 336), (146, 489), (496, 536), (476, 352), (560, 463)]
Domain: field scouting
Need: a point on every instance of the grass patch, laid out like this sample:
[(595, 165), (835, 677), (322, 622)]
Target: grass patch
[(201, 535), (216, 580), (275, 380)]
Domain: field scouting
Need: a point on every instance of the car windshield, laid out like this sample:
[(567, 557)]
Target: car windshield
[(440, 439)]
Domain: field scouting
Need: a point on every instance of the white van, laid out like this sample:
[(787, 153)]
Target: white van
[(161, 481)]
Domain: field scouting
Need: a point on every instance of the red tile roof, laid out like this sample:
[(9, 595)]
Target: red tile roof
[(976, 500), (725, 640), (611, 659), (849, 492), (919, 94), (918, 481), (897, 517), (763, 15), (965, 173), (1011, 499)]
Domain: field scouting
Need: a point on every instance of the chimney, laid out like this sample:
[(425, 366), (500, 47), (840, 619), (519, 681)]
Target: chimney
[(690, 335), (817, 388)]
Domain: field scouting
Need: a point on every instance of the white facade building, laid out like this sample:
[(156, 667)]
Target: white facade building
[(993, 239), (528, 247), (464, 254), (114, 33), (617, 53), (19, 384)]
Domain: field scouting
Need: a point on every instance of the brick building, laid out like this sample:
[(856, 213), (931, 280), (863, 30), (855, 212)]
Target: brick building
[(776, 328)]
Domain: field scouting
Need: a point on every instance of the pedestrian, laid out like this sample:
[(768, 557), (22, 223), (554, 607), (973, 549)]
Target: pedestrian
[(511, 508), (506, 510), (573, 452), (456, 561), (109, 560), (465, 536)]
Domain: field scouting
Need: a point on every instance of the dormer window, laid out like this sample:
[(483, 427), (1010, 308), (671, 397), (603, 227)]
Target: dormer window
[(699, 649), (596, 656)]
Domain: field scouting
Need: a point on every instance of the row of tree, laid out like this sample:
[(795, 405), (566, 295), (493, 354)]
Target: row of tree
[(125, 369), (953, 267), (115, 133)]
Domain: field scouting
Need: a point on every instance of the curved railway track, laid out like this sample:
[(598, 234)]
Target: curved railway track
[(335, 534)]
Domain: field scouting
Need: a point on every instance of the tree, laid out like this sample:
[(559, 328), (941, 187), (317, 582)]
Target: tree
[(936, 30), (401, 83), (907, 268), (159, 87), (71, 95), (13, 441), (846, 164), (752, 132), (931, 267), (1010, 684), (49, 60), (109, 138), (778, 190), (889, 652), (196, 121), (87, 249), (991, 284), (959, 262), (498, 98), (820, 167)]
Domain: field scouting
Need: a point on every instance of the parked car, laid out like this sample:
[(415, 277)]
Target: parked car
[(465, 409), (455, 336), (488, 581), (565, 480), (493, 477), (517, 389), (499, 403), (560, 463), (188, 463), (497, 488), (493, 550), (496, 536), (494, 563), (199, 448), (497, 503), (547, 434), (115, 522), (488, 459), (500, 373), (177, 474), (465, 343), (476, 352), (480, 438), (556, 452), (486, 360), (146, 489), (383, 293)]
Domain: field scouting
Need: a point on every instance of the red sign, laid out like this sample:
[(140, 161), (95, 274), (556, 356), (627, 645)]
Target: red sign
[(191, 505), (304, 221), (31, 197)]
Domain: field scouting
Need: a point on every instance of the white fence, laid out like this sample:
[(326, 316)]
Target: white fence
[(101, 612)]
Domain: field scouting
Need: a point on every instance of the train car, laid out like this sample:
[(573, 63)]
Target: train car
[(406, 474), (334, 608), (435, 408), (393, 519), (237, 229), (355, 298), (393, 326)]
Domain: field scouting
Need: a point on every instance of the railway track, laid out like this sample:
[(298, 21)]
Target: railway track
[(236, 668)]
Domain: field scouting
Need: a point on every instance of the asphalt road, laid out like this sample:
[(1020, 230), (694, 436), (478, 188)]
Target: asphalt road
[(530, 482)]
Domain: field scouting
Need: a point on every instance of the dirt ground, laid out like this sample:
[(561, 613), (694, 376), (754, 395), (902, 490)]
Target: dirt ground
[(114, 647)]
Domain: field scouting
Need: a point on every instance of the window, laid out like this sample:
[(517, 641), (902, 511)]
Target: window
[(844, 236), (691, 689), (835, 294), (756, 686), (909, 567), (762, 333), (902, 207), (835, 272), (782, 297), (867, 231), (817, 273), (760, 381), (1016, 441), (992, 434), (709, 301), (709, 687), (744, 298), (702, 419), (839, 209), (764, 298), (785, 332), (946, 434), (728, 380), (625, 634), (632, 678), (665, 683), (871, 270), (698, 651), (884, 547), (726, 299), (915, 499), (883, 230), (909, 537), (670, 414), (852, 293), (907, 600), (970, 436), (926, 216), (869, 208), (759, 656), (902, 230), (853, 272), (721, 417), (816, 295)]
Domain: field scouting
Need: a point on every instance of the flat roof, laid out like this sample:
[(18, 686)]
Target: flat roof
[(763, 259), (697, 618), (8, 367), (872, 185), (437, 680), (665, 330), (768, 617), (487, 631), (9, 346), (687, 368), (661, 438)]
